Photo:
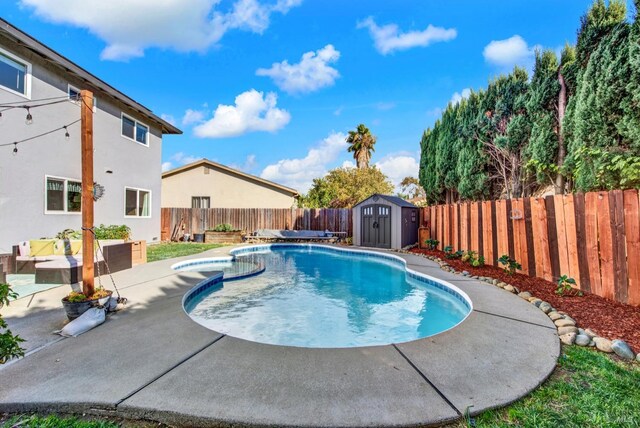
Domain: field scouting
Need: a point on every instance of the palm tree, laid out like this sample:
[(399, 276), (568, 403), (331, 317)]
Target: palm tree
[(362, 143)]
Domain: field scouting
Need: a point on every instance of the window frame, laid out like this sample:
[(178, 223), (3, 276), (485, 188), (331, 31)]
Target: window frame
[(65, 193), (137, 189), (208, 198), (77, 102), (28, 75), (135, 130)]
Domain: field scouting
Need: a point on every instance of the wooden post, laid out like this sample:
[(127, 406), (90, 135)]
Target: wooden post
[(86, 116)]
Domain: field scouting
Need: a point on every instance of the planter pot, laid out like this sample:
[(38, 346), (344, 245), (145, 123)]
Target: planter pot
[(75, 309), (198, 237), (211, 237)]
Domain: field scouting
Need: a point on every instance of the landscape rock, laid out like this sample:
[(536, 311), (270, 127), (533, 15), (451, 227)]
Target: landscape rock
[(622, 350), (502, 284), (465, 273), (592, 343), (567, 317), (509, 288), (495, 282), (525, 295), (554, 316), (566, 330), (568, 339), (565, 323), (536, 302), (582, 340), (603, 344), (590, 333), (546, 308)]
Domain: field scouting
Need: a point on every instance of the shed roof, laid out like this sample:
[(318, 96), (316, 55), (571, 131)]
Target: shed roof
[(232, 171), (395, 200), (67, 66)]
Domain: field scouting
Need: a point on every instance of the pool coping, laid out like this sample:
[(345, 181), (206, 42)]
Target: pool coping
[(193, 376)]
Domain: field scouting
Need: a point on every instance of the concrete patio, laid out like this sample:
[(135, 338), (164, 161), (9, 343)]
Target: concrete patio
[(152, 361)]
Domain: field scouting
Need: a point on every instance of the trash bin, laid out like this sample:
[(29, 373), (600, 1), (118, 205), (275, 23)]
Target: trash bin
[(198, 237)]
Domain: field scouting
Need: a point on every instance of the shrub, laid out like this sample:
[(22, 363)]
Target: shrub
[(223, 227), (113, 231), (565, 285), (9, 343), (450, 254), (510, 265), (432, 244)]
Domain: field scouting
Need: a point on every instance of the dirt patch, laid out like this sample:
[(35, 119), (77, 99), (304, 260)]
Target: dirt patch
[(608, 318)]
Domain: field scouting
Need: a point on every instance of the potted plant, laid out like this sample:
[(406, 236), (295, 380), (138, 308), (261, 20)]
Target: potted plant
[(223, 234), (76, 303)]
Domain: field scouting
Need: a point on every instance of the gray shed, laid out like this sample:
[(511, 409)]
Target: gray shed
[(384, 221)]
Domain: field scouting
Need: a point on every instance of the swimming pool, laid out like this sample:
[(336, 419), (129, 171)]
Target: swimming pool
[(324, 297)]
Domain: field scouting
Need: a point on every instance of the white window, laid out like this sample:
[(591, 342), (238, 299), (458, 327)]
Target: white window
[(62, 195), (15, 74), (137, 202), (200, 202), (134, 130), (74, 96)]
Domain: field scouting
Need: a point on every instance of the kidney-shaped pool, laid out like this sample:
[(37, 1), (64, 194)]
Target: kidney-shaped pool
[(323, 297)]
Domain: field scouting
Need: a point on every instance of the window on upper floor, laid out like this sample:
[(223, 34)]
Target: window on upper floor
[(137, 202), (200, 202), (15, 74), (135, 130), (62, 195), (74, 96)]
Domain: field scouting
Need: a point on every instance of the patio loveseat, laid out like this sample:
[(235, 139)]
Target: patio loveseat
[(59, 261)]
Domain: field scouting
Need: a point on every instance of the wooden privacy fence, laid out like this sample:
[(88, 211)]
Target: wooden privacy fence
[(592, 237), (197, 220)]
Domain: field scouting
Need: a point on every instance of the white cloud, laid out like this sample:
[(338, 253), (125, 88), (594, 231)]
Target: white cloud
[(348, 164), (388, 38), (193, 116), (179, 158), (130, 26), (509, 52), (459, 96), (313, 72), (338, 111), (248, 165), (299, 173), (399, 166), (253, 111), (385, 106)]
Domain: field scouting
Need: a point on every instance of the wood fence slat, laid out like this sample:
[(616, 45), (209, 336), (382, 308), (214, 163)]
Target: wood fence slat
[(502, 231), (487, 231), (541, 241), (571, 238), (552, 232), (592, 241), (561, 230), (606, 245), (455, 242), (528, 230), (519, 234), (632, 232), (473, 227), (581, 237), (621, 281)]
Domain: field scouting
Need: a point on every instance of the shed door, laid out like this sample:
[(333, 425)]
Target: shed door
[(376, 226)]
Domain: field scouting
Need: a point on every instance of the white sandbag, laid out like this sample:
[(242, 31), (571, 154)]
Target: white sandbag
[(85, 322), (112, 304)]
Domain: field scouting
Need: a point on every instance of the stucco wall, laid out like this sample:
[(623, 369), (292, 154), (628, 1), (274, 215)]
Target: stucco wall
[(22, 177), (225, 190)]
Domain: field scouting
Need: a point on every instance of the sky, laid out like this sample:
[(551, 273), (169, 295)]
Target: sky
[(272, 87)]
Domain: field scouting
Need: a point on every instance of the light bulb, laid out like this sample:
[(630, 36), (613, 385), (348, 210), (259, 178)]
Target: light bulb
[(15, 149), (66, 133), (29, 119)]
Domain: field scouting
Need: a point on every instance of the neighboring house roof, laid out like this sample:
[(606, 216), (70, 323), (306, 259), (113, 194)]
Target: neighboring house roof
[(396, 200), (232, 171), (69, 67)]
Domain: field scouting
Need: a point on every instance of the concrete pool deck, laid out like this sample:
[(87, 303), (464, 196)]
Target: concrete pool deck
[(151, 361)]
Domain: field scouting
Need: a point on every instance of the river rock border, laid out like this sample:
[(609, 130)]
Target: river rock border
[(568, 330)]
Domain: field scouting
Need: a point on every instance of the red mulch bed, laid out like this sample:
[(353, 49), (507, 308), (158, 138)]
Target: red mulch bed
[(608, 318)]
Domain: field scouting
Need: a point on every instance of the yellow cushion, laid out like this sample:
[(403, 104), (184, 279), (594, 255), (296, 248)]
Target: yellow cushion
[(40, 247), (76, 247), (59, 248)]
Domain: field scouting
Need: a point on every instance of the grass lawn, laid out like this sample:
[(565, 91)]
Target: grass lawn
[(168, 250), (588, 389), (51, 421)]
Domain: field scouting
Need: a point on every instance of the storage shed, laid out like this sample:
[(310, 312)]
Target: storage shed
[(384, 221)]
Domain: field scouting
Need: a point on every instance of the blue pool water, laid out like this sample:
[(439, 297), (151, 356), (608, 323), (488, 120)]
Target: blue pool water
[(314, 297)]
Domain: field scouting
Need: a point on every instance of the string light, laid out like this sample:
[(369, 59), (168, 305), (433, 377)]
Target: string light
[(64, 127), (15, 149), (66, 133), (29, 119)]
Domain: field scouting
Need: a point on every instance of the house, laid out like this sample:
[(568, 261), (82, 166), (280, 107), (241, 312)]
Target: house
[(207, 184), (40, 178)]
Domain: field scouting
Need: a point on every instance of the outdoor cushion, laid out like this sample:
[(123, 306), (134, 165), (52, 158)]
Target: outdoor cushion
[(41, 247), (23, 248)]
